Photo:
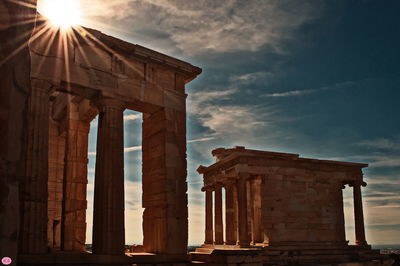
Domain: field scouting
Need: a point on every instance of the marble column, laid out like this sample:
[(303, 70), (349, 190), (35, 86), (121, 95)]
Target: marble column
[(256, 199), (244, 239), (230, 217), (209, 217), (358, 214), (33, 188), (73, 226), (108, 215), (219, 234)]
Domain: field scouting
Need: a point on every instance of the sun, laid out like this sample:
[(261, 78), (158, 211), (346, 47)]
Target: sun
[(61, 13)]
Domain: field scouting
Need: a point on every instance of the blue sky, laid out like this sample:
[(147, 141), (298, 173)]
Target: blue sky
[(318, 78)]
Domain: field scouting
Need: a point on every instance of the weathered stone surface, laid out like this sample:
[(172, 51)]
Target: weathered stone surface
[(285, 204), (164, 163), (47, 210)]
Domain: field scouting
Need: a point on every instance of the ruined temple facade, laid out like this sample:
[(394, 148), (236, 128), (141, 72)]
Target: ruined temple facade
[(75, 76), (288, 208)]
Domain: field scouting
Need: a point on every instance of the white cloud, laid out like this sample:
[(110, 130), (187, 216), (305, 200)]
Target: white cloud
[(336, 86), (386, 161), (381, 143), (388, 206), (126, 149), (290, 93), (134, 148), (130, 117), (195, 27), (383, 180), (226, 120), (201, 139), (376, 160), (250, 77)]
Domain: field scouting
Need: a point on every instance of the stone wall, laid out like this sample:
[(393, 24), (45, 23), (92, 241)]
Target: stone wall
[(301, 205)]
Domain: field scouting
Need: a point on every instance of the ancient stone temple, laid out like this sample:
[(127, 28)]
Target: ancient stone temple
[(281, 209), (70, 77)]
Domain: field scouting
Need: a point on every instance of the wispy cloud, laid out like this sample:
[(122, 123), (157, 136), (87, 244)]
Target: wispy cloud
[(134, 148), (388, 206), (250, 77), (194, 27), (130, 117), (290, 93), (336, 86), (201, 139), (381, 143), (126, 149), (383, 180), (226, 119)]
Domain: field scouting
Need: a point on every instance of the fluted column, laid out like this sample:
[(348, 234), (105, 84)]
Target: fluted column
[(230, 217), (219, 234), (242, 210), (209, 232), (358, 214), (256, 199), (33, 228), (108, 216)]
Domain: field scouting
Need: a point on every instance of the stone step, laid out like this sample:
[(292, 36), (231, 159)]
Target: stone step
[(200, 256), (304, 259), (204, 250)]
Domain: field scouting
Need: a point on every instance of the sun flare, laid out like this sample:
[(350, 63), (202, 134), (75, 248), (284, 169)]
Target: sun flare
[(61, 13)]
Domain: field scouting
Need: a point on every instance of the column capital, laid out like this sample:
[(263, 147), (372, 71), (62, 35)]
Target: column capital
[(109, 102), (357, 183)]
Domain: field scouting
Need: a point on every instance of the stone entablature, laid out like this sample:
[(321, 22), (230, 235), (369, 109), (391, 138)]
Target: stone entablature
[(86, 62), (280, 199)]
